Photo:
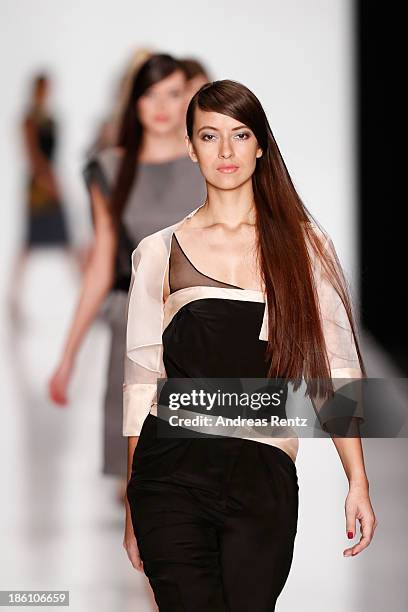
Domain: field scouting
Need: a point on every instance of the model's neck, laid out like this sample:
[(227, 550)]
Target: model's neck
[(230, 207), (162, 147)]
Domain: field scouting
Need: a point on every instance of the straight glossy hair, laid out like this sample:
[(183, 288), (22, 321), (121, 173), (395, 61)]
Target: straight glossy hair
[(296, 345)]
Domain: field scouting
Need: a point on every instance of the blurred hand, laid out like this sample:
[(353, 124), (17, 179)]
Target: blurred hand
[(130, 545), (58, 384), (358, 506)]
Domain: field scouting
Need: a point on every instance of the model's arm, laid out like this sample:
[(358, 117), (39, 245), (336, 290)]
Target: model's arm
[(129, 539), (96, 284), (143, 363), (345, 368), (358, 505)]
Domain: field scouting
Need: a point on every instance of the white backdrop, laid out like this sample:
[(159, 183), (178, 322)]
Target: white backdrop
[(297, 57)]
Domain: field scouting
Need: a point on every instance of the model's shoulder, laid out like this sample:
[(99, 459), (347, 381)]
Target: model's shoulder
[(150, 242), (156, 241), (159, 242)]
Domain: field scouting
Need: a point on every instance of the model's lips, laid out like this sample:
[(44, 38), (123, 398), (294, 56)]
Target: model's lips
[(161, 118), (227, 169)]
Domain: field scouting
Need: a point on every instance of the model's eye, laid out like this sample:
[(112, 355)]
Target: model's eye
[(208, 137), (243, 135), (176, 93)]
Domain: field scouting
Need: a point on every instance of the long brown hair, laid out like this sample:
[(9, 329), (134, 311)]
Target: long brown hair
[(155, 69), (296, 345)]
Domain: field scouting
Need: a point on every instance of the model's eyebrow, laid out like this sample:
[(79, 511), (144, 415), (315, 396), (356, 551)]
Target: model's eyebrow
[(211, 127)]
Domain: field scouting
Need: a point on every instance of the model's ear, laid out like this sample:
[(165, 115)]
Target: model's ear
[(259, 152), (190, 149)]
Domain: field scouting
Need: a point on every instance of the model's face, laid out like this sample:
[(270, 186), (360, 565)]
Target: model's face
[(162, 106), (225, 149)]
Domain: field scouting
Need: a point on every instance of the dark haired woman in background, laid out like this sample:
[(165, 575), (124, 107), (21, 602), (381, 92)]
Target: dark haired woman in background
[(107, 132), (245, 286), (136, 188), (197, 75)]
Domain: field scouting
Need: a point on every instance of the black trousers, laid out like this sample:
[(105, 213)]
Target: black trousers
[(215, 522)]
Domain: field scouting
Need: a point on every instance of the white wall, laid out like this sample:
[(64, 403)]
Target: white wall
[(297, 57)]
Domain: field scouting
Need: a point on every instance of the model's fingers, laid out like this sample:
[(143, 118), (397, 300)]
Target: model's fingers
[(135, 557), (367, 528), (351, 515), (132, 551), (367, 531), (351, 523)]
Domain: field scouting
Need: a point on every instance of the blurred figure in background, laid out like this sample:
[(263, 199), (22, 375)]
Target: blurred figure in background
[(108, 132), (144, 184), (45, 222), (197, 75)]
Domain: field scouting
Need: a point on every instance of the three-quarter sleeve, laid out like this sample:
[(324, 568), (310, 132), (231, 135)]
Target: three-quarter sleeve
[(336, 327), (340, 346), (144, 350)]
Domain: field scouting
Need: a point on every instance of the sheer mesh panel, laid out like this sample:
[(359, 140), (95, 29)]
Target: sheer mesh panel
[(183, 274)]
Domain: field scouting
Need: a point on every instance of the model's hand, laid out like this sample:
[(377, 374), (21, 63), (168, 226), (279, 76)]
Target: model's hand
[(58, 384), (358, 506), (130, 545)]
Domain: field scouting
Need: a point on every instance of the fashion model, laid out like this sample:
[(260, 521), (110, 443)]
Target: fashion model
[(45, 223), (146, 182), (246, 285)]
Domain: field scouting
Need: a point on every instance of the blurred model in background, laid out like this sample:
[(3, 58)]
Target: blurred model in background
[(108, 131), (197, 75), (143, 184), (46, 224)]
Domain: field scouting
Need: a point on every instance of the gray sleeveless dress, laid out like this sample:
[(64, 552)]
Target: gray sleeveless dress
[(162, 194)]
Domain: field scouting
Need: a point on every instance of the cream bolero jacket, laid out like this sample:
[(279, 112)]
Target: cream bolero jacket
[(148, 316)]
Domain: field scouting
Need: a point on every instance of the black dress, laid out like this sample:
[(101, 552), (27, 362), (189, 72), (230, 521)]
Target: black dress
[(215, 518), (46, 222)]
